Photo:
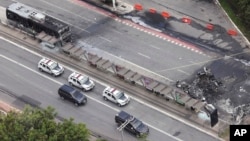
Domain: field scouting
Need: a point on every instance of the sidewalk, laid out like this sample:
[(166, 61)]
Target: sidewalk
[(7, 107)]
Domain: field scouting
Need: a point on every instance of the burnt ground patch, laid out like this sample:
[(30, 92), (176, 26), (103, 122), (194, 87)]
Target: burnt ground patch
[(233, 72), (225, 84), (218, 41)]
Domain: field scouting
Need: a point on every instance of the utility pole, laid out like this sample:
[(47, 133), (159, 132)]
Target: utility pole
[(121, 127)]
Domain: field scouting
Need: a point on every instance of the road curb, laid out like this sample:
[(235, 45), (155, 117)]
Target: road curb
[(5, 107)]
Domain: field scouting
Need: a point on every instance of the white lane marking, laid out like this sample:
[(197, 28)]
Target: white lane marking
[(59, 83), (177, 118), (154, 47), (138, 100), (104, 38), (165, 78), (192, 62), (13, 61), (183, 72), (47, 77), (117, 31), (87, 19), (39, 55), (143, 55)]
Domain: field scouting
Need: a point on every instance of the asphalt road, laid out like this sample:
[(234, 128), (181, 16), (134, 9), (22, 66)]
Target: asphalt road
[(204, 10), (19, 75), (101, 32), (149, 51)]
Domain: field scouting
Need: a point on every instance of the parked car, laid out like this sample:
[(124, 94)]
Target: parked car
[(116, 96), (71, 94), (50, 66), (132, 124), (81, 81)]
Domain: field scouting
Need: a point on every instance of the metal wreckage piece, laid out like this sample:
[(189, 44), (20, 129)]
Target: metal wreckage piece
[(204, 83), (239, 113)]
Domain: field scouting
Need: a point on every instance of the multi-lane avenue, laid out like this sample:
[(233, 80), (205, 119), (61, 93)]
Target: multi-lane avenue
[(20, 77), (121, 38), (100, 33)]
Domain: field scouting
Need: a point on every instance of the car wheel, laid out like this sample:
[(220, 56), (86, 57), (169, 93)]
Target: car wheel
[(54, 75), (76, 104), (137, 135), (84, 90), (62, 97), (84, 101), (105, 98), (40, 69), (70, 84), (119, 105)]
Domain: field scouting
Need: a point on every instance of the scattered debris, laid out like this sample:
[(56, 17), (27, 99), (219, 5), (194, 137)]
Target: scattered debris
[(245, 62), (242, 90), (203, 85), (225, 105), (240, 112)]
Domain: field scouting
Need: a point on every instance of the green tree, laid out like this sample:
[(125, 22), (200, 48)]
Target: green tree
[(40, 125), (243, 8), (247, 15), (143, 138)]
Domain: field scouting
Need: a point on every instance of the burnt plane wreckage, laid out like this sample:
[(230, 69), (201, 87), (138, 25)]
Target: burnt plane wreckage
[(204, 87)]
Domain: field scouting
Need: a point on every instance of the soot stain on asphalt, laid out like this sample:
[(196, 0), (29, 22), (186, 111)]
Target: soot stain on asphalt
[(155, 19)]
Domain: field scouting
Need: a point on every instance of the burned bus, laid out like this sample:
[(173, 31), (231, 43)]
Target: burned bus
[(28, 18)]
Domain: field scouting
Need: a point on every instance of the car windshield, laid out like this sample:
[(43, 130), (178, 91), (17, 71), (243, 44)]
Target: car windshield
[(77, 95), (84, 80), (54, 66), (120, 95), (136, 123)]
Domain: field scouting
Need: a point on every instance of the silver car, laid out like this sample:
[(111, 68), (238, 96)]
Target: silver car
[(81, 81), (116, 96), (50, 66)]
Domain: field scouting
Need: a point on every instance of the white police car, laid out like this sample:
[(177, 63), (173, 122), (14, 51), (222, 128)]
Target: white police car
[(50, 66), (81, 81), (116, 96)]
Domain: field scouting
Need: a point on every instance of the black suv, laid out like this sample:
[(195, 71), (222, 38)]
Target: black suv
[(71, 94), (134, 125)]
